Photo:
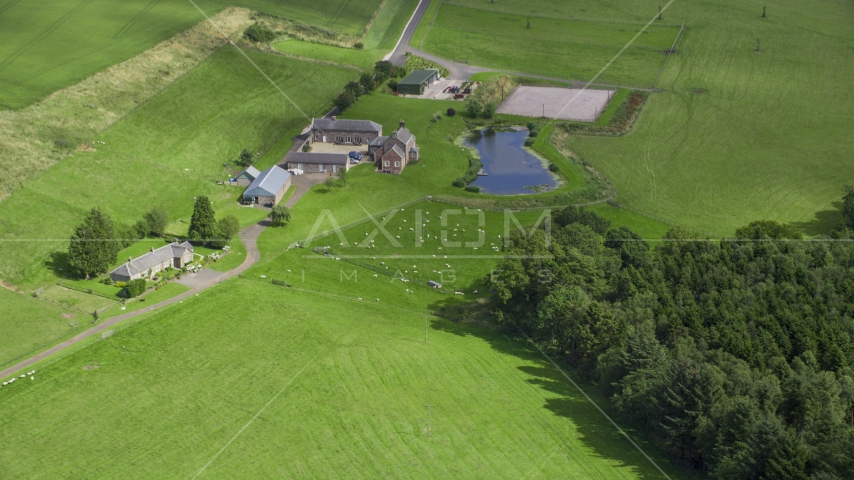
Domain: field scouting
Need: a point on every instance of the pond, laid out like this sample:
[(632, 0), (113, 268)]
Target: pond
[(510, 169)]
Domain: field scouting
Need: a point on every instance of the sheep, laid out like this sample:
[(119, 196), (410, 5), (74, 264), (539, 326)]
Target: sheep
[(32, 378), (289, 270), (382, 263), (475, 248), (411, 229), (414, 266), (458, 293), (375, 275), (373, 258), (378, 299), (5, 383), (360, 298), (448, 265), (366, 234), (404, 220), (397, 236), (22, 376)]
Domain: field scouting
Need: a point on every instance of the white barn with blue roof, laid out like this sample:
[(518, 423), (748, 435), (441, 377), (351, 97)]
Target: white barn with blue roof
[(268, 187)]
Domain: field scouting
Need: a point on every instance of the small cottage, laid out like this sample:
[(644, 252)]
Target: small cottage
[(247, 176), (317, 162), (268, 188), (174, 255), (392, 153)]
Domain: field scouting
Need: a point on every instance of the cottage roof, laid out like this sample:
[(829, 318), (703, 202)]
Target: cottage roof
[(317, 158), (268, 183), (396, 149), (153, 258), (417, 77), (250, 172), (378, 141), (404, 135), (348, 125)]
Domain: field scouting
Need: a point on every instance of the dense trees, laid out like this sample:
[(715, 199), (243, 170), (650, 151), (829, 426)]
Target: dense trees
[(155, 221), (735, 356), (93, 246), (280, 215)]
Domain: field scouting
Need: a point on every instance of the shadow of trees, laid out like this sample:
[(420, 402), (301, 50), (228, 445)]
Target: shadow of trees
[(823, 222), (594, 431)]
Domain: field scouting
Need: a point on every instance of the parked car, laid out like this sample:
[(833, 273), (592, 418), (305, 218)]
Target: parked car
[(355, 157)]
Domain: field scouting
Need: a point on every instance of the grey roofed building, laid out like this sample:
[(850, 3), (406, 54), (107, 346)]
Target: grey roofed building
[(268, 183), (247, 176), (175, 254), (295, 158), (378, 141), (404, 134), (345, 125), (396, 149)]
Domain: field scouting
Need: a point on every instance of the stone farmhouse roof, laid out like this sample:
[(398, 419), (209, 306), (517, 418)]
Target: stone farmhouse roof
[(404, 135), (396, 149), (379, 140), (268, 183), (150, 259), (316, 158), (346, 125)]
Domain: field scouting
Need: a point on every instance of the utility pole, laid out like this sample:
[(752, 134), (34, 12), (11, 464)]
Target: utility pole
[(428, 419)]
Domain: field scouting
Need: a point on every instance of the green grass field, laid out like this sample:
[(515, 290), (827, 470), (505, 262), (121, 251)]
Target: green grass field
[(768, 137), (30, 324), (379, 41), (345, 384), (52, 44), (564, 48), (165, 152)]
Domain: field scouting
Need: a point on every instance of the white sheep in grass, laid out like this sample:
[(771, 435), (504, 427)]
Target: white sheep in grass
[(458, 293), (382, 263), (398, 236), (359, 298), (5, 383), (404, 220), (378, 299), (23, 376), (375, 275), (366, 234), (32, 378)]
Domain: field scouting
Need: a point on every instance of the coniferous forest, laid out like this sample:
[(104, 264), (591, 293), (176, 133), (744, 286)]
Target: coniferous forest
[(735, 356)]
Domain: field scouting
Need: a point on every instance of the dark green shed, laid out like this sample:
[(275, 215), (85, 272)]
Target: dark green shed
[(417, 81)]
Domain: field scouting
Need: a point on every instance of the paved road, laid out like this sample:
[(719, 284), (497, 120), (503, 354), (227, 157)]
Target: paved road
[(397, 56)]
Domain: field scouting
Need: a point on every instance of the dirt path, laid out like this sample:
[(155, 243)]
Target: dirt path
[(249, 236)]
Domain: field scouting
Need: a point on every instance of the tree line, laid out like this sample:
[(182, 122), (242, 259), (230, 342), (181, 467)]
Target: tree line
[(735, 356)]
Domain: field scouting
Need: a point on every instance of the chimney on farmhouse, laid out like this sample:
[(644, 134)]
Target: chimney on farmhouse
[(402, 123), (333, 117), (129, 259), (151, 249)]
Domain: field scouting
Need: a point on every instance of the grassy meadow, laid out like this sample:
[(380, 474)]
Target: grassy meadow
[(379, 41), (557, 47), (51, 44), (308, 383), (30, 324), (165, 152), (738, 135)]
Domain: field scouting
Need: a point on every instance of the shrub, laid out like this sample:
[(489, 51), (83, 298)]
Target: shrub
[(473, 188), (436, 116), (63, 143), (134, 288), (281, 283), (344, 100), (459, 182), (121, 284), (259, 33), (451, 112), (392, 84), (534, 131), (554, 168), (489, 110), (306, 147), (529, 142), (358, 45)]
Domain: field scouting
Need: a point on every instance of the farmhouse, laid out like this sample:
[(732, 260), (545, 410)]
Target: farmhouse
[(246, 177), (173, 255), (417, 81), (393, 153), (317, 162), (268, 188), (349, 132)]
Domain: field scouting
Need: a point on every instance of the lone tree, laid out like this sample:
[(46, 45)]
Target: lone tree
[(228, 227), (329, 182), (342, 176), (763, 12), (203, 225), (280, 215), (246, 158), (93, 247), (156, 220), (367, 81)]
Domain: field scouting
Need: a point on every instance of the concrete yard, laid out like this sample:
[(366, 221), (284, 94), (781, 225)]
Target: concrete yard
[(555, 102)]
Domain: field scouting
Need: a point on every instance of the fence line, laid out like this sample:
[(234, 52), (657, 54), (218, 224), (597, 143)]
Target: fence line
[(669, 53), (86, 290)]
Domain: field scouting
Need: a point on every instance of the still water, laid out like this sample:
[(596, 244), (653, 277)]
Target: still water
[(509, 167)]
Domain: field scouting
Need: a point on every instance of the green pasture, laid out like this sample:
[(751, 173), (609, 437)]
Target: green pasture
[(614, 11), (51, 44), (165, 152), (563, 48), (379, 41), (737, 135), (30, 324), (334, 385)]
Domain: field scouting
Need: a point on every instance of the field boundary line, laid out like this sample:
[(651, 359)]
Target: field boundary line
[(430, 25), (667, 59), (595, 404), (256, 416), (229, 40)]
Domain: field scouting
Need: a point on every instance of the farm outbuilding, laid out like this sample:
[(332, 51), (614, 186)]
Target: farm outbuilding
[(417, 81), (268, 188), (247, 176), (317, 162)]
